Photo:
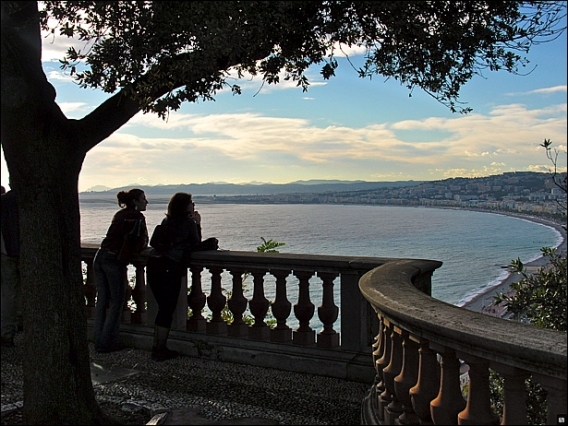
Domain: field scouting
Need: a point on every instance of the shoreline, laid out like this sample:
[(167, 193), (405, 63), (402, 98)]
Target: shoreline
[(483, 301), (480, 301)]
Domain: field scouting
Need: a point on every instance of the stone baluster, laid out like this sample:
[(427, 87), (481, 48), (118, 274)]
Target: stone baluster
[(555, 397), (90, 289), (407, 378), (196, 300), (328, 313), (478, 408), (445, 408), (140, 315), (378, 348), (304, 311), (515, 394), (428, 384), (281, 309), (370, 406), (385, 397), (394, 407), (378, 351), (259, 307), (237, 304), (216, 302), (126, 312)]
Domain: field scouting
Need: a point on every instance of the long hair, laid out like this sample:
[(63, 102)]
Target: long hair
[(126, 198), (177, 207)]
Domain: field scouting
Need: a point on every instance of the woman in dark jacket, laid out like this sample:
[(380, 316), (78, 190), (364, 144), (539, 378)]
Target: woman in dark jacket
[(165, 272), (126, 235)]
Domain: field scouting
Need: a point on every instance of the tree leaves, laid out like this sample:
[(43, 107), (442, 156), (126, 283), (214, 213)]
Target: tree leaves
[(173, 52), (540, 298)]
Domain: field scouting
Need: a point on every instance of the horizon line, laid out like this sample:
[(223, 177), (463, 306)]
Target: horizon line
[(310, 181)]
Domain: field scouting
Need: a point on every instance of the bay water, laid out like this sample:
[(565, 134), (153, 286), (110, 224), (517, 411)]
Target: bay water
[(475, 247)]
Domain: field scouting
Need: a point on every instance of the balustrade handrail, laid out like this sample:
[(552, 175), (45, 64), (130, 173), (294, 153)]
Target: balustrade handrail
[(414, 325), (245, 259)]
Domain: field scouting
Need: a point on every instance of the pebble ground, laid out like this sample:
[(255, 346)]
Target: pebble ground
[(218, 390)]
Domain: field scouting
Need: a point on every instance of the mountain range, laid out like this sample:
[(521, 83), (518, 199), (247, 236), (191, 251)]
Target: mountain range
[(222, 188)]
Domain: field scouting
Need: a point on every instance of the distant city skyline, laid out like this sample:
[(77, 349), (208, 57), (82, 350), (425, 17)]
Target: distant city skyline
[(345, 128)]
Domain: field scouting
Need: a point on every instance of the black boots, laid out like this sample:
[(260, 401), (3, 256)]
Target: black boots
[(159, 351), (163, 354)]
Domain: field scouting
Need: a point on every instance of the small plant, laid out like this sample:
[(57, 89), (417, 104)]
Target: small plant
[(269, 246)]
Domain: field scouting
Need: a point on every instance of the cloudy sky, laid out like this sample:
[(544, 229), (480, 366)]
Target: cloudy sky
[(345, 128)]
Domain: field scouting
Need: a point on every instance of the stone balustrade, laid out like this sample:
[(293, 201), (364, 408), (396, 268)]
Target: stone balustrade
[(424, 345), (333, 338)]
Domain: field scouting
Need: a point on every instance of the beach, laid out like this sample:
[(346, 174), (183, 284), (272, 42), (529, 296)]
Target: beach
[(483, 302)]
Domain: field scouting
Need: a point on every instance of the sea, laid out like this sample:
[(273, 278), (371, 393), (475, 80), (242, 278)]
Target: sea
[(475, 247)]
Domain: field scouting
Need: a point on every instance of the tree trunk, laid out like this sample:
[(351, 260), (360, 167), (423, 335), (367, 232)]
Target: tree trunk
[(44, 155), (44, 174), (57, 378)]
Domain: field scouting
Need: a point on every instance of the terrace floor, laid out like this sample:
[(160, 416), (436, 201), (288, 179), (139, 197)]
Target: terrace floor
[(198, 391)]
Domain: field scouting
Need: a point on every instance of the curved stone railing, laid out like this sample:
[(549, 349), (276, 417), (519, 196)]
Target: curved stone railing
[(333, 340), (424, 345)]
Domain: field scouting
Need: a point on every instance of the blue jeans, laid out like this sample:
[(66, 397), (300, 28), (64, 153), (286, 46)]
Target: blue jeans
[(111, 281)]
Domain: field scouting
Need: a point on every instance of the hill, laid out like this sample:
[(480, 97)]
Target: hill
[(223, 189)]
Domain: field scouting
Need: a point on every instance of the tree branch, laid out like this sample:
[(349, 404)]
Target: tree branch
[(121, 107)]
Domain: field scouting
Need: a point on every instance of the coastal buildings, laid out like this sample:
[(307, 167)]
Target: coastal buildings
[(521, 192)]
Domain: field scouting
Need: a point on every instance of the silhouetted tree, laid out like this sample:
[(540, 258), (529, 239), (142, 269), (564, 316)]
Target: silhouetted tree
[(151, 57), (560, 179)]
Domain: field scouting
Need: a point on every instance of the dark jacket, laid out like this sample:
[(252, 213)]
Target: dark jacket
[(10, 223), (188, 235), (126, 223)]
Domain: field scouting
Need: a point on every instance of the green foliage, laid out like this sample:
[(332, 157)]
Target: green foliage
[(164, 53), (535, 401), (496, 390), (540, 298), (269, 246)]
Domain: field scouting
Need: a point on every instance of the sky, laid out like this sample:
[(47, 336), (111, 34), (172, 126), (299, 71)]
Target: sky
[(345, 128)]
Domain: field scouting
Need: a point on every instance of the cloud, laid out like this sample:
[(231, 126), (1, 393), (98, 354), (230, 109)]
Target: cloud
[(70, 107), (548, 90), (484, 144), (54, 45), (342, 50), (511, 131), (472, 172), (214, 147), (59, 76), (543, 91), (259, 87)]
